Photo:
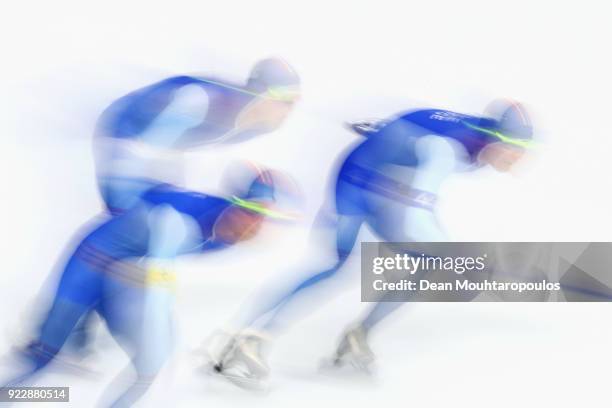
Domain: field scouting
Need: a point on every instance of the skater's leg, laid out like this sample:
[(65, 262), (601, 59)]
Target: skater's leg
[(241, 357), (77, 293), (83, 334), (140, 317), (79, 288), (378, 312), (399, 223), (140, 321), (346, 232), (390, 221)]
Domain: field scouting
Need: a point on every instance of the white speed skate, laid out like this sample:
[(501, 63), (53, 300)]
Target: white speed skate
[(239, 359), (353, 351)]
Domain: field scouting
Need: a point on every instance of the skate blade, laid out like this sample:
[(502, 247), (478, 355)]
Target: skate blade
[(252, 384), (247, 383), (345, 367)]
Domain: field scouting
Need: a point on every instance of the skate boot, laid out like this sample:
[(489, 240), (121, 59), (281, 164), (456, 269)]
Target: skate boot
[(354, 350), (242, 361), (215, 349)]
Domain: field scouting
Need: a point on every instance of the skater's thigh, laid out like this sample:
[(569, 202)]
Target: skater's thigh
[(387, 218), (79, 283), (60, 322), (120, 237), (122, 308), (393, 221)]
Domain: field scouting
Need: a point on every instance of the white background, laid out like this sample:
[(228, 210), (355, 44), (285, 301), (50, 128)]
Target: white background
[(62, 62)]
